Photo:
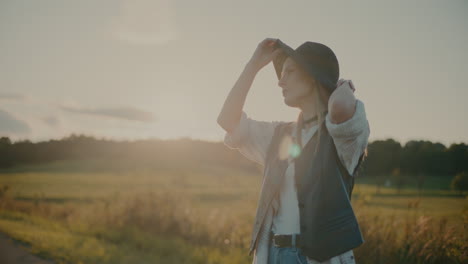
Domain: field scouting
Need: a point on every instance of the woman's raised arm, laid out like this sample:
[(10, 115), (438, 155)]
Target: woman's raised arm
[(231, 112)]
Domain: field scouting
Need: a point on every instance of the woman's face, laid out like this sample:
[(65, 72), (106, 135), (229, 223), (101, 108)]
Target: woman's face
[(298, 88)]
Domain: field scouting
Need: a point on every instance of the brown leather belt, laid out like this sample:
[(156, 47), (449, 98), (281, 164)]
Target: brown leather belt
[(283, 241)]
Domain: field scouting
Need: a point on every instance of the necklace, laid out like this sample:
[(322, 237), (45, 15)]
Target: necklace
[(300, 125)]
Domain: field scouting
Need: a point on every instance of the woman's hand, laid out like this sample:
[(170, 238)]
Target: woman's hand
[(343, 81), (266, 51)]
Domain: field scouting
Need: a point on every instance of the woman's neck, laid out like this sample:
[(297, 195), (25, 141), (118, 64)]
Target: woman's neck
[(308, 111)]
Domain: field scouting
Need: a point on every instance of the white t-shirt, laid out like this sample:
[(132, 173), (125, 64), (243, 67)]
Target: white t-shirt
[(286, 221), (252, 138)]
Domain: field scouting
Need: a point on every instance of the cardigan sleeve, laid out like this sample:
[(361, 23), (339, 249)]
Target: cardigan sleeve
[(251, 138), (350, 137)]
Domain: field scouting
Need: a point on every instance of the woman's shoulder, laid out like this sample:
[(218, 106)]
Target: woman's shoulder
[(252, 137)]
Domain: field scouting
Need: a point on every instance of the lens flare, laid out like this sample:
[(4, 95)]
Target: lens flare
[(294, 150), (288, 149)]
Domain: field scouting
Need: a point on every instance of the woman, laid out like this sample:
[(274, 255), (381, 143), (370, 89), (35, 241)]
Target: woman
[(304, 213)]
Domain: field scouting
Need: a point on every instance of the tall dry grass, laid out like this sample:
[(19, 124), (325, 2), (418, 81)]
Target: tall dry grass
[(391, 239), (411, 239)]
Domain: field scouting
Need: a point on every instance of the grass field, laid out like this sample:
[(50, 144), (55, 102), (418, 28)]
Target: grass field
[(74, 213)]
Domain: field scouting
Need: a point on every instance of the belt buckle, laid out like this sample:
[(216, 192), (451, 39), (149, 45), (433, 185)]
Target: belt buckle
[(274, 241), (280, 241), (293, 240)]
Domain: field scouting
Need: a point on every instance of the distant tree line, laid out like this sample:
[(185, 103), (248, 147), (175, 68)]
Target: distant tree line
[(121, 154), (416, 158), (388, 160), (385, 157)]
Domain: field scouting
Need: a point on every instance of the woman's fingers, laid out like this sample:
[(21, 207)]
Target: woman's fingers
[(268, 42), (271, 42), (264, 53), (343, 81), (276, 53), (340, 82), (352, 86)]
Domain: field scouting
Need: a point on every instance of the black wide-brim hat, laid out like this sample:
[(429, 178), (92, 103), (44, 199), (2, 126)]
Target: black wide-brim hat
[(318, 60)]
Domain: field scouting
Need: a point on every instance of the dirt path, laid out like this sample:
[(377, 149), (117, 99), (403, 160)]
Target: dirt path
[(13, 252)]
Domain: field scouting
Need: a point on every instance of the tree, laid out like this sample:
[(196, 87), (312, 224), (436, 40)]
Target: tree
[(398, 178), (6, 160), (5, 141), (460, 182), (383, 157), (458, 157)]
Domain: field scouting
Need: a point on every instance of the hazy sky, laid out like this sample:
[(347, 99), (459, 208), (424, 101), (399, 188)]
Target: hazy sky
[(162, 69)]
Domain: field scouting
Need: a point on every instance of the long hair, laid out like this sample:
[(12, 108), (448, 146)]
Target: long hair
[(321, 106)]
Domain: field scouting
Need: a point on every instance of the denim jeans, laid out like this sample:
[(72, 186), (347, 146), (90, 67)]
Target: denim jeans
[(287, 255)]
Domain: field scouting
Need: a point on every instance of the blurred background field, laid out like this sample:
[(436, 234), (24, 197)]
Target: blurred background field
[(96, 211)]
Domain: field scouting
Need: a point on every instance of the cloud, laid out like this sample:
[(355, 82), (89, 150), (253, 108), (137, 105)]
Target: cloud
[(12, 96), (51, 121), (11, 125), (145, 22), (127, 113)]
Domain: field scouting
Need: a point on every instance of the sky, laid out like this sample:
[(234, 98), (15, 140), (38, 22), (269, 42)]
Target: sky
[(139, 69)]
